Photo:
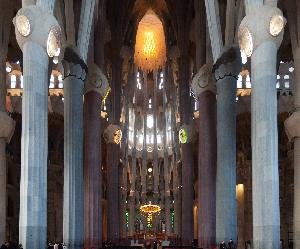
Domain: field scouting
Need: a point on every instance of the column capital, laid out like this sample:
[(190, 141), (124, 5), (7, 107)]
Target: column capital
[(97, 81), (34, 24), (7, 127), (113, 134), (72, 64), (263, 23), (203, 81), (229, 64), (291, 125)]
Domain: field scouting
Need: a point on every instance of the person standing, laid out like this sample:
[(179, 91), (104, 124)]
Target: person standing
[(223, 245)]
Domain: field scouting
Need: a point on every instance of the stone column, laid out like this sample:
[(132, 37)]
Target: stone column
[(187, 190), (177, 205), (132, 194), (265, 179), (7, 124), (168, 212), (34, 141), (122, 200), (96, 88), (293, 132), (74, 72), (203, 87), (6, 132), (131, 200), (112, 138), (226, 70), (291, 124), (187, 219)]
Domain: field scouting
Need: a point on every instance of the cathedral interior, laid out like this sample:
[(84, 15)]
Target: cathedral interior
[(129, 121)]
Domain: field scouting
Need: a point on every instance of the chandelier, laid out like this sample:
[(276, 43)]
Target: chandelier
[(149, 210), (150, 48)]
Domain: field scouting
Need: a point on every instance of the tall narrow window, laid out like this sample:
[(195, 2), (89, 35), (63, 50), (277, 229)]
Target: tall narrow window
[(13, 81), (21, 81), (51, 81), (60, 82)]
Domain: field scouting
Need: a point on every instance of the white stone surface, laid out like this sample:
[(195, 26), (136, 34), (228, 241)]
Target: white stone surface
[(73, 162), (265, 179), (34, 146)]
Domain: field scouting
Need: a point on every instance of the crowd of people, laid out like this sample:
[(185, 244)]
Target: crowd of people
[(229, 245), (11, 245), (56, 246)]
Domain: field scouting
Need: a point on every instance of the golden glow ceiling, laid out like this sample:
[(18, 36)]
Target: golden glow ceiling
[(150, 48)]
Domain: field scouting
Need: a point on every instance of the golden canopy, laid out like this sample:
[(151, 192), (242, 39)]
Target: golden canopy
[(150, 47)]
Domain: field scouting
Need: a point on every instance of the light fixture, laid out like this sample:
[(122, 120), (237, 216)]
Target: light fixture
[(150, 48), (53, 41), (149, 169), (23, 25), (8, 69), (117, 136), (55, 60), (276, 25), (245, 41), (150, 208)]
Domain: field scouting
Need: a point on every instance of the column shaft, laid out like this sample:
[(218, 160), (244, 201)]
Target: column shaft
[(296, 93), (2, 156), (226, 214), (296, 193), (113, 211), (92, 171), (177, 212), (34, 148), (131, 215), (265, 179), (168, 214), (207, 171), (73, 163), (187, 219), (3, 193)]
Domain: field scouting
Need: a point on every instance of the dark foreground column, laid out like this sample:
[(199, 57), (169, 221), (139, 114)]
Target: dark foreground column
[(74, 75), (96, 88), (203, 87), (112, 137)]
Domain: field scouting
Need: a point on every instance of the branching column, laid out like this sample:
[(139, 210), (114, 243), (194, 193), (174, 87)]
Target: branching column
[(34, 141), (96, 88), (265, 176), (226, 69), (203, 87), (74, 75)]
